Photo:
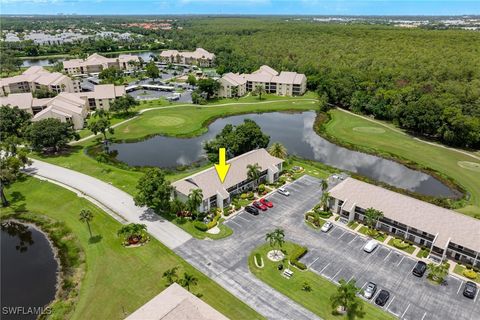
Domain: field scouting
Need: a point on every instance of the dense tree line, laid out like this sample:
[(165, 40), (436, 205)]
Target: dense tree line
[(426, 81)]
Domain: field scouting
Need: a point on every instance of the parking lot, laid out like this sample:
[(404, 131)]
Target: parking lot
[(339, 254), (334, 255)]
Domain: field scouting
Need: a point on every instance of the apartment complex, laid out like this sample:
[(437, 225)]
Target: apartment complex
[(199, 57), (96, 63), (66, 106), (36, 78), (217, 194), (285, 83), (446, 233)]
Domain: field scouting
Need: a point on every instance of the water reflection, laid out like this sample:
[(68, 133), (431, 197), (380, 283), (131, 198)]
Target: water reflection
[(296, 132), (19, 231)]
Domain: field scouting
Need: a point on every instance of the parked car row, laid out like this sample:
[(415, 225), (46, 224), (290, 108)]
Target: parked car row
[(263, 204)]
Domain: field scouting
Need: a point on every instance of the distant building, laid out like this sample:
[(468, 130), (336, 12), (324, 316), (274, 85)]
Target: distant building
[(176, 303), (199, 57), (67, 107), (447, 234), (96, 63), (284, 83), (35, 78), (217, 194)]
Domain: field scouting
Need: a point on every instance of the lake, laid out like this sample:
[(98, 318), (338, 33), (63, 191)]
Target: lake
[(295, 132), (29, 269)]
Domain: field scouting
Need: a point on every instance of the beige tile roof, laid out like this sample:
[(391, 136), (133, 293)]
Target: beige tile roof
[(448, 224), (199, 53), (97, 59), (36, 74), (176, 303), (20, 100), (209, 182), (234, 79)]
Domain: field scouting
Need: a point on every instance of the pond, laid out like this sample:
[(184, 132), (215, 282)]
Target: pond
[(295, 132), (29, 270)]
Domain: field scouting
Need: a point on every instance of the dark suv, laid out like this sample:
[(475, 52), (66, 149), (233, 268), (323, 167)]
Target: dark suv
[(470, 290), (382, 298), (419, 269), (252, 210)]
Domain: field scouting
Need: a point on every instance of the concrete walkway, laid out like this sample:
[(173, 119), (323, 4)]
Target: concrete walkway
[(117, 201)]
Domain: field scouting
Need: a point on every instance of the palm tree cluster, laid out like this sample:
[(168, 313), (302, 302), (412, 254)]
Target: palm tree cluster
[(346, 299), (278, 150), (253, 172), (276, 239), (187, 281), (133, 232)]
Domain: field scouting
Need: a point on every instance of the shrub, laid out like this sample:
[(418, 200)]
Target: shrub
[(250, 196), (200, 226), (261, 188), (324, 214), (211, 224), (243, 196), (470, 274), (297, 254), (400, 244)]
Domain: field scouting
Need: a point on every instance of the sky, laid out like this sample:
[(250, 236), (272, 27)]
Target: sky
[(246, 7)]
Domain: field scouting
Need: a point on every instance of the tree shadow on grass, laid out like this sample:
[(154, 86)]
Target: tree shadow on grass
[(95, 239)]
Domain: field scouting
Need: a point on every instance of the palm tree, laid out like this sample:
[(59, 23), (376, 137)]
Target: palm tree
[(324, 185), (253, 172), (324, 201), (235, 92), (195, 199), (371, 217), (171, 275), (278, 150), (188, 280), (276, 239), (259, 90), (346, 299), (437, 272), (87, 216)]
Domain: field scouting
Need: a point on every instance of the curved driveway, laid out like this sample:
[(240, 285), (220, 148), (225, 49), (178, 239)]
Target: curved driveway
[(224, 261)]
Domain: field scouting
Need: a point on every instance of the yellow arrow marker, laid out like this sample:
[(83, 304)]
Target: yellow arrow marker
[(222, 166)]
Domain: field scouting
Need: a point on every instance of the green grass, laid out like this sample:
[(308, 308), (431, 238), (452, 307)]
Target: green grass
[(380, 237), (458, 269), (312, 168), (423, 253), (392, 142), (318, 300), (116, 278), (352, 225), (188, 226)]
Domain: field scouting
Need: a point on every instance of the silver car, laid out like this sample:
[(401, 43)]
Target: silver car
[(370, 290), (283, 191), (327, 226)]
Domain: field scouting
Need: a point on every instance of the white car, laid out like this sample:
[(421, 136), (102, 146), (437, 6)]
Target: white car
[(370, 246), (283, 191), (327, 226)]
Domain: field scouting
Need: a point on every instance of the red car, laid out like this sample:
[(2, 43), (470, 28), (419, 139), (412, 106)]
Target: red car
[(259, 205), (266, 202)]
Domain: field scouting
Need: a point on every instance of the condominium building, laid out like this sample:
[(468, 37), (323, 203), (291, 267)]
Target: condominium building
[(36, 78), (447, 234), (284, 83), (67, 107), (199, 57), (218, 194), (96, 63)]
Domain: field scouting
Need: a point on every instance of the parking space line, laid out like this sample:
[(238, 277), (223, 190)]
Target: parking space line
[(403, 314), (325, 268), (375, 297), (424, 315), (243, 218), (475, 300), (459, 287), (387, 255), (352, 239), (336, 274), (313, 262), (400, 261), (345, 232), (390, 303), (234, 223), (350, 278), (363, 286)]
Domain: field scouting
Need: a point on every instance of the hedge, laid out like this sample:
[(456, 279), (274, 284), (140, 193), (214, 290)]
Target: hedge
[(400, 244), (200, 226), (297, 254), (470, 274)]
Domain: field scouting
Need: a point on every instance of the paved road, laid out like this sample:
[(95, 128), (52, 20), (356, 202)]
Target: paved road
[(114, 199), (220, 260)]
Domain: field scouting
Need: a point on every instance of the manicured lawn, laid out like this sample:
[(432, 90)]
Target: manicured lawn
[(188, 226), (458, 269), (314, 169), (318, 300), (116, 278), (352, 225), (384, 140), (380, 237), (423, 253)]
